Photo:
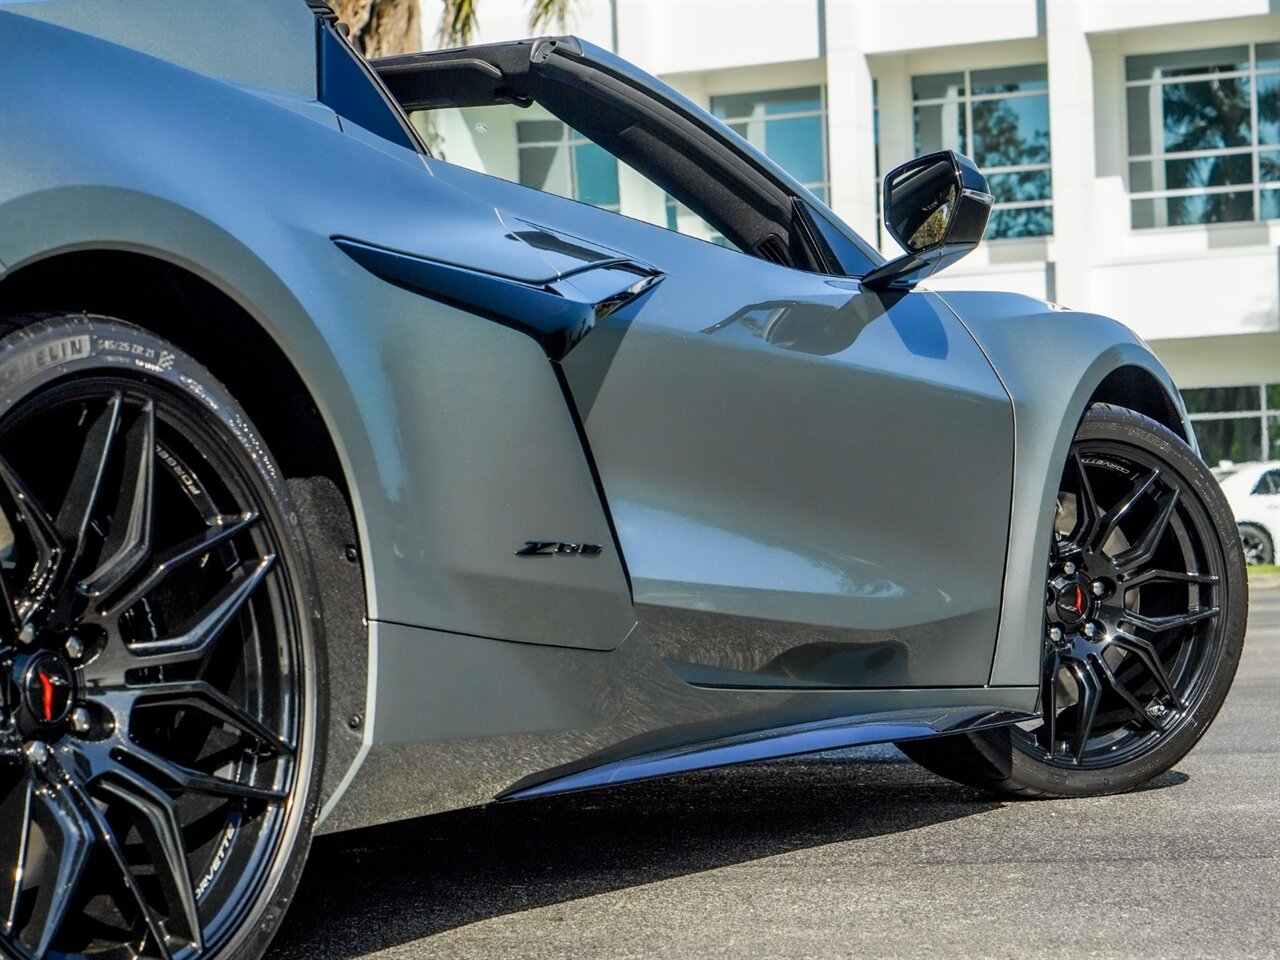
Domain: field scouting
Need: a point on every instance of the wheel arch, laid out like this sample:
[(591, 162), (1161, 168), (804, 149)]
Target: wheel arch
[(1140, 390), (164, 298), (208, 324)]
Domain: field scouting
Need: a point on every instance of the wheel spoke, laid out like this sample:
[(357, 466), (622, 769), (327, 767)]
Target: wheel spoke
[(1172, 576), (200, 696), (1087, 707), (1051, 705), (44, 535), (1088, 513), (77, 509), (15, 828), (109, 668), (194, 781), (155, 816), (223, 529), (68, 841), (1145, 547), (8, 607), (1107, 524), (128, 542), (1126, 694), (1147, 656), (1172, 621), (103, 831), (212, 619)]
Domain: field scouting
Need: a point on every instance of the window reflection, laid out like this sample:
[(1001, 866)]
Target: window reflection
[(788, 126), (555, 158), (1196, 122), (1000, 118)]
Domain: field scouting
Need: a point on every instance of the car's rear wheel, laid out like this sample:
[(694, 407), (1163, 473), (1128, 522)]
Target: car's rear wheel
[(1145, 605), (1257, 545), (159, 758)]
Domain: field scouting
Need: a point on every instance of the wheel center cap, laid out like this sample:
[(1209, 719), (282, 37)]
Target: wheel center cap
[(1072, 602), (47, 686)]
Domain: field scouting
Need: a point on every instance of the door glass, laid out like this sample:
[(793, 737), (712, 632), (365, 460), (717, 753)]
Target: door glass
[(532, 147)]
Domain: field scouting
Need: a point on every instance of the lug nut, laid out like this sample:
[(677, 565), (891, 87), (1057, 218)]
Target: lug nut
[(1099, 588), (27, 635), (1055, 634), (80, 720), (1068, 568), (1091, 630), (36, 752), (74, 647)]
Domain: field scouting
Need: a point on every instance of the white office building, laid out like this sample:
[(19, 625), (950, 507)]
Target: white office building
[(1133, 147)]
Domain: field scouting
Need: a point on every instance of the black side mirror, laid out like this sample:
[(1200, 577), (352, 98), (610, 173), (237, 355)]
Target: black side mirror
[(936, 207)]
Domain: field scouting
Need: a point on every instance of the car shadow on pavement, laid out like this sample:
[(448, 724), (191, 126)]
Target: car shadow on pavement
[(379, 887)]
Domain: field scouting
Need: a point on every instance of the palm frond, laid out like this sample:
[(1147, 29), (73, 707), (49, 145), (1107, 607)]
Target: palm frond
[(545, 12), (458, 23)]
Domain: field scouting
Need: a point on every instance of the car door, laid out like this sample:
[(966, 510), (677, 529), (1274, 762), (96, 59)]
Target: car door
[(809, 481)]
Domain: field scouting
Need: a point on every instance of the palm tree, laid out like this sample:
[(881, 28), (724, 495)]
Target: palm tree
[(379, 28)]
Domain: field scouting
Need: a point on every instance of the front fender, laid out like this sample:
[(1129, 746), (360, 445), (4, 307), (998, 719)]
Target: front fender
[(1052, 362)]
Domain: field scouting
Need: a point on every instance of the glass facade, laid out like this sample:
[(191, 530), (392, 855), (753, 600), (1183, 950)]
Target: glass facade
[(1000, 118), (555, 158), (1204, 135), (1236, 423), (788, 126)]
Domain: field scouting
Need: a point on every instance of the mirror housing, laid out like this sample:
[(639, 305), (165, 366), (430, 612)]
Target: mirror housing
[(936, 207)]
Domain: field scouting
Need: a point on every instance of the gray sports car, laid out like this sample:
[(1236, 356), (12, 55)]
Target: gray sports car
[(340, 483)]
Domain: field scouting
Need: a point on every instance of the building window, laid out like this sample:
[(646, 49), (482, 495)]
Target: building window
[(1236, 423), (1000, 118), (788, 126), (1204, 135), (555, 158)]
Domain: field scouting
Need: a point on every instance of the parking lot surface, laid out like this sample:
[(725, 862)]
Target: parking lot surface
[(857, 854)]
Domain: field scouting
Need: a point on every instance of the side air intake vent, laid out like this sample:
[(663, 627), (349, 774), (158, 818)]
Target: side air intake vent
[(773, 250)]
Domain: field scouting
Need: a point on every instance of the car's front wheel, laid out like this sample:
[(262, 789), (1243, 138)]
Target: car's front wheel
[(160, 717), (1145, 605)]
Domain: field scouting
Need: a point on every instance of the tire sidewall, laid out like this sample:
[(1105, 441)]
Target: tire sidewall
[(35, 356)]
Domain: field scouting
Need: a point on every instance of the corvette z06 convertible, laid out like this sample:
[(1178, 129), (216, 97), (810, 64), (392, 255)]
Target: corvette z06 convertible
[(342, 481)]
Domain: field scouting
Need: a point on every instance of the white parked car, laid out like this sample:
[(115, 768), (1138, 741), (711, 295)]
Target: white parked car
[(1253, 490)]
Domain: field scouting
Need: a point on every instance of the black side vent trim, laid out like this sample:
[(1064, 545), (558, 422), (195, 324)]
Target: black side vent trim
[(557, 313)]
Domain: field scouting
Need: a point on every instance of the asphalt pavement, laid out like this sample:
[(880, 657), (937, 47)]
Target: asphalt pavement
[(857, 854)]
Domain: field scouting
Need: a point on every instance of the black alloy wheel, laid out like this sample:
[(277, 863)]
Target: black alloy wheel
[(1145, 609), (157, 749), (1135, 590)]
